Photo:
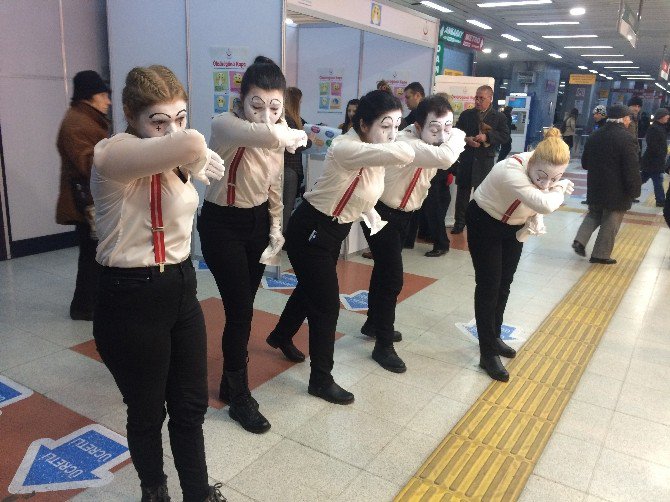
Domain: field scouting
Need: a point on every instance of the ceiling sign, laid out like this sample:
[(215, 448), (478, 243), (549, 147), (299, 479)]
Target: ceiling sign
[(582, 78), (629, 22)]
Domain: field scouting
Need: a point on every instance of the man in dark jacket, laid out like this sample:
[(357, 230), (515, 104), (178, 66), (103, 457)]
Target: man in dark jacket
[(485, 129), (613, 182), (599, 116), (84, 125), (653, 159)]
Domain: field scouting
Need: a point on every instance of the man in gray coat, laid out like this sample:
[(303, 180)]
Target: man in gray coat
[(613, 182)]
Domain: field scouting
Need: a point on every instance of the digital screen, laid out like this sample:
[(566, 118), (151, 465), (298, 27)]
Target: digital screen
[(517, 102), (515, 118)]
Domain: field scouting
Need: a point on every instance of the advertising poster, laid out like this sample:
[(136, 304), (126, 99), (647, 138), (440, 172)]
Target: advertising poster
[(228, 66), (375, 13), (330, 90), (321, 137)]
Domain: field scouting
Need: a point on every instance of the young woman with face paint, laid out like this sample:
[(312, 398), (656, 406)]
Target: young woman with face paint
[(352, 182), (436, 146), (240, 222), (508, 207), (148, 325)]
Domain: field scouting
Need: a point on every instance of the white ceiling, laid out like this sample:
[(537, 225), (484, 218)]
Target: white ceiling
[(600, 19)]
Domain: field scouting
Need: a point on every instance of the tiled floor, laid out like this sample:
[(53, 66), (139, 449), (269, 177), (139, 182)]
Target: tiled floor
[(612, 442)]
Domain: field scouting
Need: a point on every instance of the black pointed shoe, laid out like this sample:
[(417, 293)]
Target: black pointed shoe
[(291, 352), (579, 248), (503, 349), (388, 359), (494, 368), (368, 330), (434, 253), (332, 393), (244, 408), (602, 261)]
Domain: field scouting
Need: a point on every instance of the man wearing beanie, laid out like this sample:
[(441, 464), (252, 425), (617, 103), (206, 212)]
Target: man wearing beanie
[(85, 124), (599, 117), (653, 159), (613, 182)]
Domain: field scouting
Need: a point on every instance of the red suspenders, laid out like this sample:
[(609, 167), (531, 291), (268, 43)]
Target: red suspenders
[(347, 195), (232, 175), (157, 221), (410, 188), (516, 202)]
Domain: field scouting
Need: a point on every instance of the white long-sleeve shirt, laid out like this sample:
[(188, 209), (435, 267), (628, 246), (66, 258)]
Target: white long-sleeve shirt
[(344, 159), (259, 174), (121, 186), (507, 183), (428, 159)]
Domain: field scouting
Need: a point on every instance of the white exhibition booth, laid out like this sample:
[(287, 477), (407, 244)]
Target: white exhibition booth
[(338, 51)]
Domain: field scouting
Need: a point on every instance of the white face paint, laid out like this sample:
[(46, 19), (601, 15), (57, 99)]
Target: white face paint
[(263, 107), (543, 175), (437, 129), (160, 119), (385, 127)]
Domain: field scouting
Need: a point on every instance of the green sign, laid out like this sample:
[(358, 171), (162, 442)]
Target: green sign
[(451, 34)]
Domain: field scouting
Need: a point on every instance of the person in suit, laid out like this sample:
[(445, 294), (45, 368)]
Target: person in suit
[(485, 129)]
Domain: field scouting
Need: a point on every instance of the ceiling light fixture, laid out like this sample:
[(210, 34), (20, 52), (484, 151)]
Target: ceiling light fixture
[(593, 71), (486, 50), (569, 36), (547, 23), (512, 3), (602, 55), (510, 37), (479, 24), (602, 74), (583, 67), (611, 62), (534, 47), (502, 55), (588, 47), (609, 78), (555, 56), (622, 67), (635, 75), (432, 5), (640, 78), (659, 85), (577, 11)]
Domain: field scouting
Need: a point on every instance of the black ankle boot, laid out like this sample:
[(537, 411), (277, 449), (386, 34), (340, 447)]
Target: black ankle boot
[(156, 494), (503, 349), (369, 330), (388, 359), (290, 351), (494, 368), (332, 393), (215, 494), (224, 390), (243, 408)]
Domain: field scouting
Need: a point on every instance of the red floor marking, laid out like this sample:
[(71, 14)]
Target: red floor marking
[(265, 363), (22, 423), (353, 276)]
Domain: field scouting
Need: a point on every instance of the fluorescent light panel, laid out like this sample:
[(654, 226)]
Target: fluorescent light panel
[(602, 55), (433, 5), (602, 74), (609, 78), (486, 50), (479, 24), (588, 47), (583, 67), (640, 78), (635, 75), (547, 23), (502, 55), (611, 62), (621, 67), (555, 56), (510, 37), (593, 71), (569, 36), (577, 11), (512, 3), (534, 47)]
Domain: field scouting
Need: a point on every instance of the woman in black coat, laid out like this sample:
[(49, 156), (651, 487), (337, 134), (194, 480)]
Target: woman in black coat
[(653, 159)]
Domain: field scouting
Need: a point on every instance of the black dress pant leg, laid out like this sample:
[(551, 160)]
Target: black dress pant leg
[(462, 199), (435, 208), (150, 333), (88, 271), (232, 241), (495, 257)]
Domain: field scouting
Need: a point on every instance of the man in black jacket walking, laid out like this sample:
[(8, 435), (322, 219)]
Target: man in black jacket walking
[(653, 159), (613, 182), (485, 129)]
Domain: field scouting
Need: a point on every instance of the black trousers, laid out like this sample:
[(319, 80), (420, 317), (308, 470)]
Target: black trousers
[(313, 242), (495, 253), (504, 151), (387, 279), (232, 241), (150, 332), (88, 270), (435, 209)]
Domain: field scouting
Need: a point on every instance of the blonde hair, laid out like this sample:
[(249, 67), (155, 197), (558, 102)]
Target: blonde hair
[(552, 149), (292, 105), (146, 86)]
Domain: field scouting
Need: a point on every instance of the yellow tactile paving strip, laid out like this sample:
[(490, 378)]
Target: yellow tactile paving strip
[(491, 452)]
